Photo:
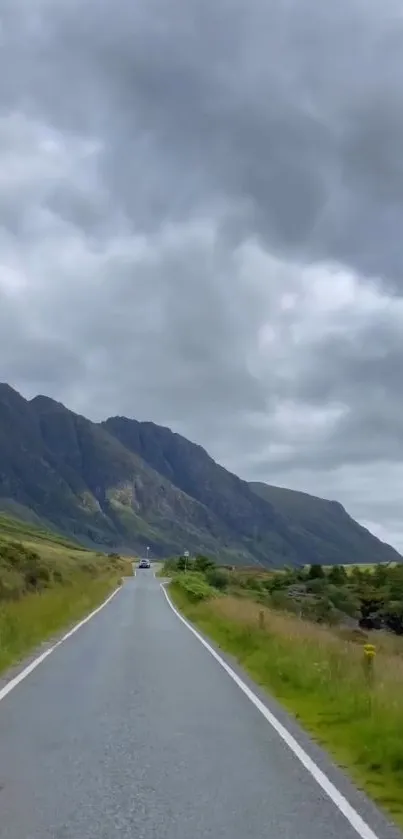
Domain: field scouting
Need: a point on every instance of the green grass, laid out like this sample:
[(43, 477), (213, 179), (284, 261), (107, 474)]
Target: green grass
[(47, 584), (11, 529), (194, 586), (27, 622), (319, 677)]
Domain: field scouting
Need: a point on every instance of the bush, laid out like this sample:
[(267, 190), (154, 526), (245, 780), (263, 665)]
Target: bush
[(21, 571), (280, 600), (392, 616), (37, 576), (252, 583), (194, 585), (217, 578), (276, 582), (170, 566), (317, 585), (337, 575), (315, 572), (184, 563), (320, 610), (11, 584), (344, 600), (203, 563)]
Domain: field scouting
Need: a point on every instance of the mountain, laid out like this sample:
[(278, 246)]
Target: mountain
[(288, 527), (333, 532), (122, 485), (72, 474)]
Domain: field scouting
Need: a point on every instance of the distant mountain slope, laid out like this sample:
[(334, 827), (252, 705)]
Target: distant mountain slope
[(123, 485), (257, 528), (287, 527), (334, 532), (70, 473)]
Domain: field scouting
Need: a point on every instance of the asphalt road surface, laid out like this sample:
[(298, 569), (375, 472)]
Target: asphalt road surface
[(131, 729)]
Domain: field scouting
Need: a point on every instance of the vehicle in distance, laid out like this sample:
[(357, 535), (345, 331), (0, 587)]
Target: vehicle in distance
[(144, 563)]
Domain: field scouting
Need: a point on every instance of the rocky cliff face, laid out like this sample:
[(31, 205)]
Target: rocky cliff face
[(123, 485)]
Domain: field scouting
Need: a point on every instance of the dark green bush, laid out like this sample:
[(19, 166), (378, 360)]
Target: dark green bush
[(315, 572), (217, 578), (344, 600), (203, 563), (194, 585), (337, 575), (316, 585), (11, 584)]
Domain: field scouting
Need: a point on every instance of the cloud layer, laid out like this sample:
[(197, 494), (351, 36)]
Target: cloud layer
[(201, 207)]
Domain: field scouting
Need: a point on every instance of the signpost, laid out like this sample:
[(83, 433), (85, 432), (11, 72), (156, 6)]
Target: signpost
[(186, 555)]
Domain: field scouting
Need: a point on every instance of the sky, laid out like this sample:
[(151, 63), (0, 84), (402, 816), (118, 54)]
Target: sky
[(201, 220)]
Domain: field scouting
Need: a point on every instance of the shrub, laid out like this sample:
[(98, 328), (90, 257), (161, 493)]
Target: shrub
[(280, 600), (337, 575), (315, 572), (195, 586), (217, 578), (344, 600), (11, 584), (252, 583), (170, 566), (184, 563), (203, 563), (392, 616), (317, 585), (319, 610)]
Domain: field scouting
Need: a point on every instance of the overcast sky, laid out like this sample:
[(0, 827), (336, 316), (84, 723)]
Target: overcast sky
[(201, 222)]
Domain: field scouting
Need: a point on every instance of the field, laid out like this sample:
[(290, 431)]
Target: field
[(342, 683), (46, 584)]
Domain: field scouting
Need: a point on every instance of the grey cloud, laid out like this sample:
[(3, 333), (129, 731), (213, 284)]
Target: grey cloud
[(292, 110), (200, 215)]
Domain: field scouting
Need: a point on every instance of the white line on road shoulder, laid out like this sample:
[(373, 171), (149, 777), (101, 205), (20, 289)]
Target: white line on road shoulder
[(359, 825), (37, 661)]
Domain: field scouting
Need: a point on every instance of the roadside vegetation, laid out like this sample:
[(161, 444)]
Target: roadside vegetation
[(46, 584), (308, 636)]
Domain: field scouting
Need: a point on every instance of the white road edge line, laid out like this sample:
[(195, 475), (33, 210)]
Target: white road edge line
[(37, 661), (354, 818)]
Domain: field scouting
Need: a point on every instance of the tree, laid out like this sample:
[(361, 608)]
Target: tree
[(337, 575), (392, 615), (185, 563), (396, 583), (380, 576), (316, 572), (202, 563), (217, 578)]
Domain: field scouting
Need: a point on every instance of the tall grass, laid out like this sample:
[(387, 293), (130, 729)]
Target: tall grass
[(320, 677), (47, 585), (27, 622)]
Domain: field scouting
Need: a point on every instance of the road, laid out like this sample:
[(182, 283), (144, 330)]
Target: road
[(131, 729)]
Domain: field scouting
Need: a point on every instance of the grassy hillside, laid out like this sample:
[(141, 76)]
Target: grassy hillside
[(46, 583), (17, 529)]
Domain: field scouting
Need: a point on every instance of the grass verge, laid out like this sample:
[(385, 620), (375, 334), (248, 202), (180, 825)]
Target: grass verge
[(27, 622), (321, 679), (46, 585)]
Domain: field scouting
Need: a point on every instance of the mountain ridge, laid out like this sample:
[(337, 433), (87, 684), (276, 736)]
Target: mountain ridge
[(123, 484)]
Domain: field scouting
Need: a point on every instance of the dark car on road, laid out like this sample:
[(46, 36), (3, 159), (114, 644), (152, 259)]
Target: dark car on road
[(144, 563)]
